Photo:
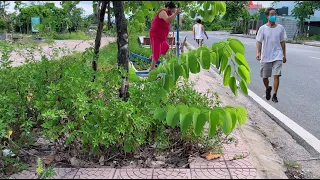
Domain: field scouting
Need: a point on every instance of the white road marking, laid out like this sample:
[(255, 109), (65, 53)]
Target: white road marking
[(304, 134), (314, 57), (300, 131)]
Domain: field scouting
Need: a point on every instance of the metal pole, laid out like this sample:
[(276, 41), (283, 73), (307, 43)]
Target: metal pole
[(178, 44), (308, 26)]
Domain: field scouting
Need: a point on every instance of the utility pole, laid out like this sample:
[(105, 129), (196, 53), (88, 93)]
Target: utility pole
[(308, 26)]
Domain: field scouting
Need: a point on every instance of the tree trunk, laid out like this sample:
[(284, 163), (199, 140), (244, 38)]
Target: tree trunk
[(123, 49), (102, 11), (109, 16)]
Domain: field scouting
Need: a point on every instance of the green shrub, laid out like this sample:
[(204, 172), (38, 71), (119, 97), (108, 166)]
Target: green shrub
[(60, 97)]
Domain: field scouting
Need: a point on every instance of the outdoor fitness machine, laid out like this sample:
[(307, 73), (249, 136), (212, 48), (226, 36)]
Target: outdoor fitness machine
[(145, 73)]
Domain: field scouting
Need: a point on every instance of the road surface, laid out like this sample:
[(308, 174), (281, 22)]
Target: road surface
[(299, 91)]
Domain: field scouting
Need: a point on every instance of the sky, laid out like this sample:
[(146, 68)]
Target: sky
[(87, 5)]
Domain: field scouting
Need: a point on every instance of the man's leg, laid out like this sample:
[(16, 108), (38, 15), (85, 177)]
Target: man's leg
[(276, 83), (276, 68), (201, 42), (265, 73)]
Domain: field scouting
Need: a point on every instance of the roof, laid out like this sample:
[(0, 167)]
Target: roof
[(312, 18)]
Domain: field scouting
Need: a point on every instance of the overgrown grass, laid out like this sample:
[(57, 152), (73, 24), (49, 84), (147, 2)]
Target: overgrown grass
[(79, 35)]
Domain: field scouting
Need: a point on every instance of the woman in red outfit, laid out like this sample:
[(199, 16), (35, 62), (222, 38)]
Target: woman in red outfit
[(159, 31)]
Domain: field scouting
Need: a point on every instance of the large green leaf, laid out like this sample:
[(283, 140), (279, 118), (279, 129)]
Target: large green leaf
[(236, 46), (241, 60), (243, 87), (185, 71), (178, 71), (171, 115), (167, 82), (133, 76), (244, 73), (233, 85), (213, 58), (175, 120), (205, 59), (193, 64), (148, 4), (241, 115), (227, 122), (226, 76), (216, 46), (206, 5), (153, 74), (199, 122), (224, 62), (233, 114), (217, 60), (160, 114), (185, 122), (213, 122), (154, 4)]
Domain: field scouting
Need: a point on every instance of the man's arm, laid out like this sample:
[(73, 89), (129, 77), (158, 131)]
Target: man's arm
[(194, 32), (259, 45), (259, 39), (163, 15), (204, 31), (283, 44)]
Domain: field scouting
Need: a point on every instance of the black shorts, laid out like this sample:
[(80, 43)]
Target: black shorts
[(198, 40)]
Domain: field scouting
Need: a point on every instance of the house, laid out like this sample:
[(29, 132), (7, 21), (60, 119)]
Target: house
[(284, 11), (253, 8), (290, 5)]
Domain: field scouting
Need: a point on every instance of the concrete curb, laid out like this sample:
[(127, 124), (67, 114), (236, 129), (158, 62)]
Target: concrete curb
[(303, 137)]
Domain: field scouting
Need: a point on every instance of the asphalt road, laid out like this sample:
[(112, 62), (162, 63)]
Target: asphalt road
[(299, 90)]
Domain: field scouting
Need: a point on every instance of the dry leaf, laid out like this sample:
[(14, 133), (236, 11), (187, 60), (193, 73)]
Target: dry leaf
[(48, 159), (209, 156)]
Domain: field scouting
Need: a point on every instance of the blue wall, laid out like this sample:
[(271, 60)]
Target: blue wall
[(290, 5)]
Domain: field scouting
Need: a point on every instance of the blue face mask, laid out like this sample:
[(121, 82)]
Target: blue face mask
[(273, 18)]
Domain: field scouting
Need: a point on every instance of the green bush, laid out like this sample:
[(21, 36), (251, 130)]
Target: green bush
[(60, 97)]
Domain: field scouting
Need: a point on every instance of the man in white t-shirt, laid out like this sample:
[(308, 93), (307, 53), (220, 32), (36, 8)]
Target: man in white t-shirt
[(199, 32), (271, 37)]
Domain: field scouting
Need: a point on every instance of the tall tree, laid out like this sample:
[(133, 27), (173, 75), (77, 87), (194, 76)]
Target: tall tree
[(102, 12), (301, 11), (123, 47)]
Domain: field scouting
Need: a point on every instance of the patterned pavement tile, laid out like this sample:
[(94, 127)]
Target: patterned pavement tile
[(95, 173), (244, 174), (65, 173), (205, 164), (171, 174), (24, 175), (133, 174), (210, 174), (244, 163)]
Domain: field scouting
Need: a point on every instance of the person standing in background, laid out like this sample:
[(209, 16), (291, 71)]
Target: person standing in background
[(199, 32)]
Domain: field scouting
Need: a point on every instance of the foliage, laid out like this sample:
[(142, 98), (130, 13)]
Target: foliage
[(192, 61), (61, 98), (53, 19), (235, 10), (78, 35), (302, 11)]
